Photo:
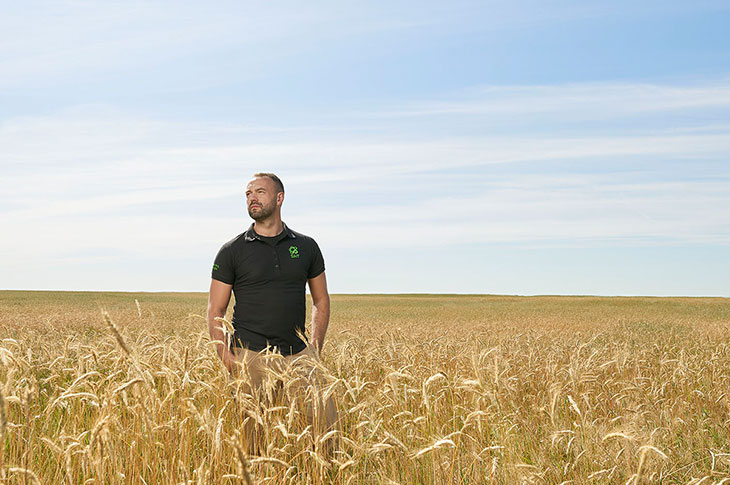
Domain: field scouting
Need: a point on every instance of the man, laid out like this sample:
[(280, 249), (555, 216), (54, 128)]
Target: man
[(267, 268)]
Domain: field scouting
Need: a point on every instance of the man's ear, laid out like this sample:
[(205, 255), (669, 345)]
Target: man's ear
[(279, 198)]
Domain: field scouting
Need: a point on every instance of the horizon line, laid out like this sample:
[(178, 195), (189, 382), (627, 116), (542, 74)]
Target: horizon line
[(516, 295)]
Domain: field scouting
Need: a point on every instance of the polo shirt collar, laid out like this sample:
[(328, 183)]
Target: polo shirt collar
[(250, 234)]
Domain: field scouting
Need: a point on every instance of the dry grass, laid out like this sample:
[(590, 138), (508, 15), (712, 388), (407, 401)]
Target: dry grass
[(430, 389)]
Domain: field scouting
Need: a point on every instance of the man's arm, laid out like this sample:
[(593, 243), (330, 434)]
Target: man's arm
[(320, 310), (218, 298)]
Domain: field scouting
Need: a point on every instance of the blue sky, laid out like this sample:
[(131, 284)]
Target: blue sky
[(523, 147)]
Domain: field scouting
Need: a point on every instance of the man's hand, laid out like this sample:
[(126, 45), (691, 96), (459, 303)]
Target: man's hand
[(320, 310), (229, 361)]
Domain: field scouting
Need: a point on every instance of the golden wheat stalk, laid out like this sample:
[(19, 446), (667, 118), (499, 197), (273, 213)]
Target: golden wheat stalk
[(53, 446), (127, 385), (442, 443), (274, 461), (618, 435), (115, 331), (243, 462), (3, 420), (27, 474), (64, 397), (640, 470)]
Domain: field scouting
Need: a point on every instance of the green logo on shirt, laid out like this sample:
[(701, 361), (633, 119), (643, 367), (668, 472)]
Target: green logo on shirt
[(293, 252), (215, 267)]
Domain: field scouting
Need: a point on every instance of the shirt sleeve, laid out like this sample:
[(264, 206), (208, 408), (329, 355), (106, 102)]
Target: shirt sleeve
[(316, 265), (223, 267)]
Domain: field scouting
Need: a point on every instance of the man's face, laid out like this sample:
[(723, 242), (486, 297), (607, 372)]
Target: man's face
[(261, 198)]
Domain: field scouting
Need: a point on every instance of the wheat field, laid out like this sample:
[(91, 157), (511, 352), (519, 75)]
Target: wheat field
[(429, 389)]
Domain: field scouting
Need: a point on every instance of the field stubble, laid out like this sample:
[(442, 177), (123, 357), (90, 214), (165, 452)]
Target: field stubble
[(430, 389)]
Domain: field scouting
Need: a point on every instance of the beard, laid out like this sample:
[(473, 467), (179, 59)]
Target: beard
[(263, 212)]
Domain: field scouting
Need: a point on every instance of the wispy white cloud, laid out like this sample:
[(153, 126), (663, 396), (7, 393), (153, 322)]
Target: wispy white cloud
[(601, 212), (590, 210), (583, 101), (78, 176), (48, 41), (116, 185), (43, 43)]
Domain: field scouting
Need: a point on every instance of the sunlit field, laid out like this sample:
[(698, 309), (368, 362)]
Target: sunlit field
[(429, 389)]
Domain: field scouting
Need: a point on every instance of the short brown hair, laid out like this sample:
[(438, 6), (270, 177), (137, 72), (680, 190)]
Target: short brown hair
[(277, 181)]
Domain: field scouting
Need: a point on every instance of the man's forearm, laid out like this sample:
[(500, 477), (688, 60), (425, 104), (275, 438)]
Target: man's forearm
[(215, 329), (320, 322)]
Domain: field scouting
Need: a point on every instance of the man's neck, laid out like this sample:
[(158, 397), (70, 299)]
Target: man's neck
[(269, 228)]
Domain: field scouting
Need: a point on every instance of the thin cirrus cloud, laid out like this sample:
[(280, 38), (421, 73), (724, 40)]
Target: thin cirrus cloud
[(47, 44), (165, 174), (598, 100), (107, 183), (68, 38), (552, 213), (90, 132)]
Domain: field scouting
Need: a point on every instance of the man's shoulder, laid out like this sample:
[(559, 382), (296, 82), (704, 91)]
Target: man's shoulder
[(302, 238), (235, 242)]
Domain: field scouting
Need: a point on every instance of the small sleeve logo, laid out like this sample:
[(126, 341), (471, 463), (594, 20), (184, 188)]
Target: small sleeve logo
[(293, 252), (215, 267)]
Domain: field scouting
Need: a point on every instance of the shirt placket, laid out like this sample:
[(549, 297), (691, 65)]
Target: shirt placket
[(277, 263)]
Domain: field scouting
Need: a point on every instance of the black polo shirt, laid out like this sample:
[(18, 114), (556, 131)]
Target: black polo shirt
[(269, 275)]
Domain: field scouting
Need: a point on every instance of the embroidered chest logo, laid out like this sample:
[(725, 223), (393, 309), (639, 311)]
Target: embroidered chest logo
[(293, 252)]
